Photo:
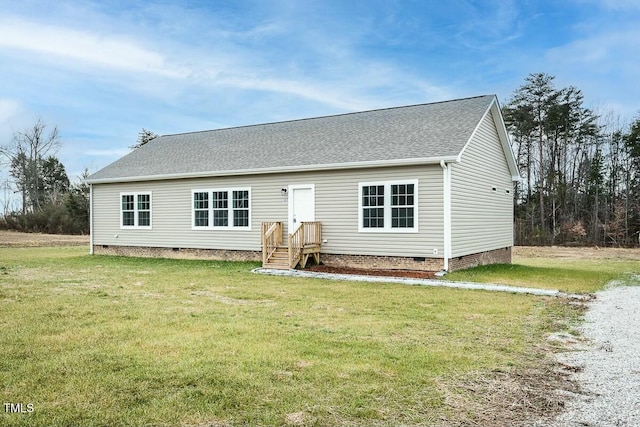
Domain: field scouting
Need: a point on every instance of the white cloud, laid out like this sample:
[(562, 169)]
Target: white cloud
[(235, 70), (85, 46), (489, 24), (612, 50), (194, 64), (604, 66), (313, 91), (11, 113), (259, 32), (9, 108)]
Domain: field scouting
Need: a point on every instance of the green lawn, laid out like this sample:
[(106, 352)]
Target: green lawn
[(104, 341), (567, 275)]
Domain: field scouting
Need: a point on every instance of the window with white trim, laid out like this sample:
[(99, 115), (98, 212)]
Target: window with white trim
[(135, 210), (373, 206), (241, 208), (201, 209), (221, 208), (402, 205), (390, 206)]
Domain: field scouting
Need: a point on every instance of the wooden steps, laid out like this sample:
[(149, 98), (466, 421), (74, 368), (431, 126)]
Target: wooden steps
[(302, 244), (279, 260)]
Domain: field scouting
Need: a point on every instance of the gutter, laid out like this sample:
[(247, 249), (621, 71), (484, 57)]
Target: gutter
[(446, 238), (281, 169), (90, 219)]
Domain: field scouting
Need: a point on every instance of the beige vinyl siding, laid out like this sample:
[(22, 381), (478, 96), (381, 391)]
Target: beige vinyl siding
[(481, 219), (336, 206)]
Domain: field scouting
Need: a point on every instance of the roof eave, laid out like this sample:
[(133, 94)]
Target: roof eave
[(283, 169)]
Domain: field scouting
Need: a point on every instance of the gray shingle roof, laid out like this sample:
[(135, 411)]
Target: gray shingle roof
[(426, 132)]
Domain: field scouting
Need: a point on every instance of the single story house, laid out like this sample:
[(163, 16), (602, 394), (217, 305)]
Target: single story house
[(421, 187)]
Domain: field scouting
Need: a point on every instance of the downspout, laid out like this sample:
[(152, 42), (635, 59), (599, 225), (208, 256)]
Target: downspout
[(90, 219), (446, 241)]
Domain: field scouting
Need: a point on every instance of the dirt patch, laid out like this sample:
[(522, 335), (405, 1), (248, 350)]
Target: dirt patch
[(392, 273), (519, 396), (513, 398), (296, 418), (17, 239), (576, 253)]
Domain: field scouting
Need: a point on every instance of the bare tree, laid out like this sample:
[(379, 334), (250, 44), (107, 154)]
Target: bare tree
[(7, 193), (25, 155)]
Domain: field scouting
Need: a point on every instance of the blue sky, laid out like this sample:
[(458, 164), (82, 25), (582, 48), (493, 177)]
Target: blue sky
[(103, 70)]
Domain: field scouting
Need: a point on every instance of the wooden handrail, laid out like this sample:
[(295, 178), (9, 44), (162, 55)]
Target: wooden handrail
[(296, 243), (312, 233), (308, 234), (304, 241), (271, 239)]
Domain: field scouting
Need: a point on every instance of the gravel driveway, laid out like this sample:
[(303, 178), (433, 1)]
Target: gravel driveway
[(608, 365)]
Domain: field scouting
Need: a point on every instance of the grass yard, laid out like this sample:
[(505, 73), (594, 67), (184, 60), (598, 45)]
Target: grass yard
[(572, 270), (104, 341)]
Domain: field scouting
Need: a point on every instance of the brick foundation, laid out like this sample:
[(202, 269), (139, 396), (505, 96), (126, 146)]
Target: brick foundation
[(178, 253), (497, 256), (375, 262)]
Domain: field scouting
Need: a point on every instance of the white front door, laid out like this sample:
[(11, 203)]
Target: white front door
[(301, 205)]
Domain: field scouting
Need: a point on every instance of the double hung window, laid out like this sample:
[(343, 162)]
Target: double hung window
[(221, 208), (373, 206), (135, 210), (241, 208), (388, 206), (201, 209), (402, 205)]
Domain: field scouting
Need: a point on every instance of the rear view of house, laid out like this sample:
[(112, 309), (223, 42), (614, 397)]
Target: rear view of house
[(422, 187)]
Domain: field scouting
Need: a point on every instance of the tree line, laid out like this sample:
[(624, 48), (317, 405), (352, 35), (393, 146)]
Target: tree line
[(580, 170), (49, 202)]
